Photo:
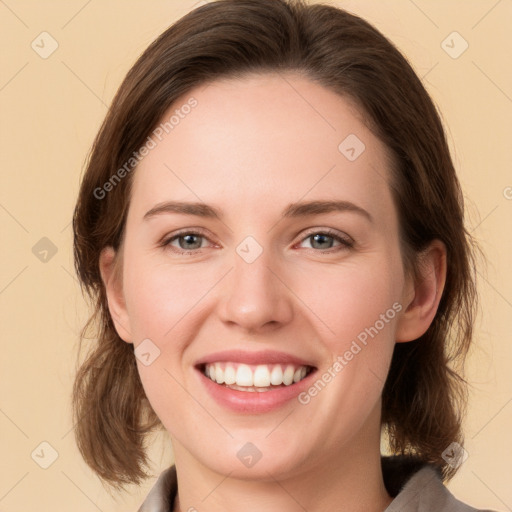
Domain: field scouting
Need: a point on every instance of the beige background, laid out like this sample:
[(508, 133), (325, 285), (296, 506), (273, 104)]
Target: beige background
[(50, 111)]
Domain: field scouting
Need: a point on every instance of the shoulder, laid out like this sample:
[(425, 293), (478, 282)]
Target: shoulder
[(415, 486), (162, 494), (424, 491)]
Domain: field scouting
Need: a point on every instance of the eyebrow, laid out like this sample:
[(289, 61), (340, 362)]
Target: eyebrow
[(293, 210)]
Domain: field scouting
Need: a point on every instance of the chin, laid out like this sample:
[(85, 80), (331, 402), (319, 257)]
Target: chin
[(256, 461)]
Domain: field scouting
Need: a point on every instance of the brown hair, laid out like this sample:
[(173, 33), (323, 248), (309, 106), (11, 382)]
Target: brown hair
[(424, 396)]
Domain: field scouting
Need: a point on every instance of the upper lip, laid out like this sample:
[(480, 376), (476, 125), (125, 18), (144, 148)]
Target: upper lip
[(260, 357)]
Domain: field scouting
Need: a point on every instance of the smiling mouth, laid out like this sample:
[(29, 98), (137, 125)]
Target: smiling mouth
[(255, 378)]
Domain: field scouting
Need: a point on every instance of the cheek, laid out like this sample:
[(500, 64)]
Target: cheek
[(164, 305), (161, 297), (351, 299), (358, 308)]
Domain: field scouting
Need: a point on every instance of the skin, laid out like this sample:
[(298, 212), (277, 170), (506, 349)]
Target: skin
[(251, 147)]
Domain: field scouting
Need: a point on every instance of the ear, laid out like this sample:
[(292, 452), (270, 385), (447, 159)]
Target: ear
[(112, 281), (421, 298)]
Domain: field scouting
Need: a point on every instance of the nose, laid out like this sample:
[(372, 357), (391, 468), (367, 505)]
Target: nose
[(255, 296)]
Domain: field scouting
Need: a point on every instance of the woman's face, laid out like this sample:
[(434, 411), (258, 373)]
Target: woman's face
[(270, 283)]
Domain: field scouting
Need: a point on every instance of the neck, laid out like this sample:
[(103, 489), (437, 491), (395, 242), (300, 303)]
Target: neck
[(349, 480), (311, 494)]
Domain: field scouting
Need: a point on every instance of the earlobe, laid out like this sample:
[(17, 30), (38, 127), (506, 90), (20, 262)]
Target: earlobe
[(421, 299), (114, 291)]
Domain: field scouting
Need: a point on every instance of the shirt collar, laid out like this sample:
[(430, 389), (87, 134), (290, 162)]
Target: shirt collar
[(407, 479)]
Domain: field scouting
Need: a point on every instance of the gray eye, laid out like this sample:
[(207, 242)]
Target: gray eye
[(189, 242), (321, 241)]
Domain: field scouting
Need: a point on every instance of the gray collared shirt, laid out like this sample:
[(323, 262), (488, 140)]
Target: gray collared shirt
[(423, 491)]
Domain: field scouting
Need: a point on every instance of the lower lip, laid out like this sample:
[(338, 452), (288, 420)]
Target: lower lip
[(254, 402)]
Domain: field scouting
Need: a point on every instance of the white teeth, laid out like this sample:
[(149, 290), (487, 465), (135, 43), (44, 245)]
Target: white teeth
[(299, 374), (276, 377), (219, 374), (229, 374), (263, 377), (244, 376), (288, 375)]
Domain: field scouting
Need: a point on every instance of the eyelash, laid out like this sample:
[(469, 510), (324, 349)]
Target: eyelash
[(346, 243)]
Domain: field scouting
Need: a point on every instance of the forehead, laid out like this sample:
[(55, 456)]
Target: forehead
[(261, 141)]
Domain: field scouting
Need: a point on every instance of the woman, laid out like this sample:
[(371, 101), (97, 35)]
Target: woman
[(271, 229)]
